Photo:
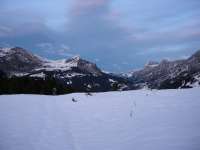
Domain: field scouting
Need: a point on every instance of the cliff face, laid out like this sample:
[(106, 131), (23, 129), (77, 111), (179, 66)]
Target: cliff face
[(170, 74), (17, 60)]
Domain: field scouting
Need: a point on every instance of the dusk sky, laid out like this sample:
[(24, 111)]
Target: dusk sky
[(118, 35)]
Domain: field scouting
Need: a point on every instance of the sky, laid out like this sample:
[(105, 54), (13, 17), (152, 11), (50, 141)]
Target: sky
[(117, 35)]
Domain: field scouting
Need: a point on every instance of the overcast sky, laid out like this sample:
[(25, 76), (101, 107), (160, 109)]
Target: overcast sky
[(118, 35)]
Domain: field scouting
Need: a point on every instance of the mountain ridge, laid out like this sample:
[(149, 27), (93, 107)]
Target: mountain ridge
[(71, 75), (18, 66), (170, 74)]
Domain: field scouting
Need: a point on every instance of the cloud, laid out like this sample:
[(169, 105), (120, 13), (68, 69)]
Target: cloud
[(114, 31), (179, 38), (4, 30), (45, 45), (91, 33), (96, 59), (87, 6), (61, 50), (21, 22)]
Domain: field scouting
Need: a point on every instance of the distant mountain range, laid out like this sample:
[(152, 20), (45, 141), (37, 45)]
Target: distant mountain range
[(24, 72), (170, 74)]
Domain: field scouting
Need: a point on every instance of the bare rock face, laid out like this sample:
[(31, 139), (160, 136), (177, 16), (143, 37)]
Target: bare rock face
[(14, 60), (84, 65), (170, 74)]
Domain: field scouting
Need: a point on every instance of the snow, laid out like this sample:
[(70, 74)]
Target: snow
[(71, 75), (141, 120), (75, 59), (196, 82), (89, 86), (52, 65), (39, 75), (4, 51), (152, 65), (69, 82), (63, 64), (111, 80), (20, 74)]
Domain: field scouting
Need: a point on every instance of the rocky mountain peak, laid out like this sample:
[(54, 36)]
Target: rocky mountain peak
[(18, 52), (18, 60), (84, 65), (76, 58)]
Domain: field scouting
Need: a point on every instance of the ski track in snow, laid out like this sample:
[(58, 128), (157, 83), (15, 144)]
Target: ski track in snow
[(140, 120)]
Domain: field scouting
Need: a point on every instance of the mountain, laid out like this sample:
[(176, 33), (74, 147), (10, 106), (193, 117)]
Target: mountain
[(17, 60), (23, 72), (169, 74)]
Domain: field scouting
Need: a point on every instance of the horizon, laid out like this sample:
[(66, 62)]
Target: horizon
[(119, 36)]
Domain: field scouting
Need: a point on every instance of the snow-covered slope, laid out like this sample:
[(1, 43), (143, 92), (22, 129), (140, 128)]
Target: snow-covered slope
[(14, 60), (140, 120), (4, 51), (69, 64)]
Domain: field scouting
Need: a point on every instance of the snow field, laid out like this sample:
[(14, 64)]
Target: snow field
[(140, 120)]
